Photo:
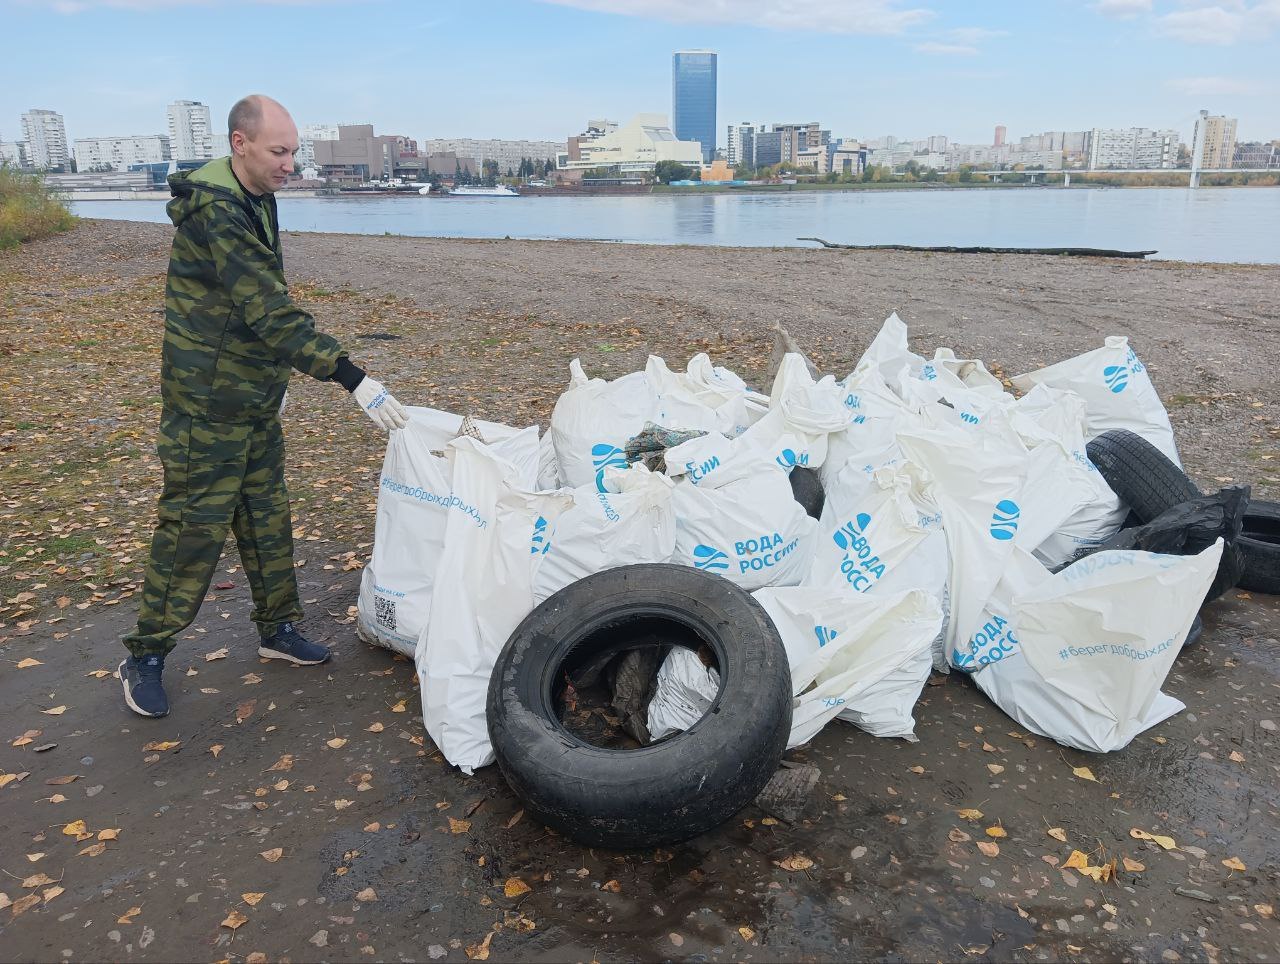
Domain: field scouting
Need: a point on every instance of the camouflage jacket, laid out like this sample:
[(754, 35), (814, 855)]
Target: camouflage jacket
[(232, 332)]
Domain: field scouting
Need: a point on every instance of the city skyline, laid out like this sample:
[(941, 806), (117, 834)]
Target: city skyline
[(891, 69)]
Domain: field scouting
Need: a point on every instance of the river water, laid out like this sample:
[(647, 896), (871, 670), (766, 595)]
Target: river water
[(1209, 224)]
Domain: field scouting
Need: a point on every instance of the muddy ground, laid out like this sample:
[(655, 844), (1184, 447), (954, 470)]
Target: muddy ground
[(387, 853)]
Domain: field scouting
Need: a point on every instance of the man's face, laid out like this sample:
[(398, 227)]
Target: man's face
[(267, 159)]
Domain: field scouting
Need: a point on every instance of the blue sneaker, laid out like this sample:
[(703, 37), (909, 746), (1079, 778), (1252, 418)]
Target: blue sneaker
[(143, 691), (287, 643)]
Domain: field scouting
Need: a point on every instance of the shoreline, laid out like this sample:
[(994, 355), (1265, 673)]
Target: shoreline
[(660, 190), (1153, 260)]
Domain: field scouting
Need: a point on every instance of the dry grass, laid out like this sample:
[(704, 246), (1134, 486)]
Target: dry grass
[(29, 209)]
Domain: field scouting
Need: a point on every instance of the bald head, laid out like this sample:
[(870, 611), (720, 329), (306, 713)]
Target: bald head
[(250, 114), (263, 140)]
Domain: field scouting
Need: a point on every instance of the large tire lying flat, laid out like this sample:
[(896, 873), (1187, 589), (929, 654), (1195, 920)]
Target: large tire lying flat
[(1142, 476), (1260, 545), (670, 790)]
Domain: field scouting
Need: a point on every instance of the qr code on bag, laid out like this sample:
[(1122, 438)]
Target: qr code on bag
[(384, 612)]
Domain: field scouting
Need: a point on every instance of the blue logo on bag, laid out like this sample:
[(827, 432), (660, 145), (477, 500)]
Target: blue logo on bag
[(789, 460), (1004, 521), (540, 543), (1116, 377), (604, 456), (841, 537), (929, 373), (824, 634), (707, 558)]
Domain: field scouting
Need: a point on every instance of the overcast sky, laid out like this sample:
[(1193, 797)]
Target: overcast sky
[(541, 68)]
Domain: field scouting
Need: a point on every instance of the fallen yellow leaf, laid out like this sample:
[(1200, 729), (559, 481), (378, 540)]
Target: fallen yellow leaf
[(996, 831), (100, 673), (367, 896), (28, 663), (160, 747), (38, 880), (54, 711), (272, 855), (284, 763), (611, 886), (459, 826), (1084, 773), (795, 862), (111, 833), (1057, 833), (234, 920), (280, 785), (341, 804), (1234, 863), (24, 904), (128, 916), (515, 887), (372, 827), (93, 850), (337, 743), (480, 951), (989, 847), (75, 828), (995, 768), (252, 899), (1134, 866), (1078, 859), (216, 654), (746, 933), (215, 750), (1167, 843), (400, 708), (969, 813), (51, 893), (374, 728)]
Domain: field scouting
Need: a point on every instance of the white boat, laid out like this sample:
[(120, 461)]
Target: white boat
[(472, 190)]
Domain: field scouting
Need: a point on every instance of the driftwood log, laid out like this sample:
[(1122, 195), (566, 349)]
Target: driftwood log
[(951, 249)]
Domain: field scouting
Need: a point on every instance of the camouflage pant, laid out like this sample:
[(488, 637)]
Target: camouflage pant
[(217, 476)]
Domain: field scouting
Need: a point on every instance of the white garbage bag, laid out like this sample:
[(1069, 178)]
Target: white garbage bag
[(750, 530), (593, 420), (996, 639), (802, 413), (1117, 391), (889, 354), (865, 658), (633, 522), (870, 525), (1096, 642), (1098, 513), (415, 499), (711, 387), (682, 694), (488, 554), (870, 439), (976, 478), (970, 372)]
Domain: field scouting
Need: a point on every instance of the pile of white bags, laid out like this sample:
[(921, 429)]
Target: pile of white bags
[(947, 500)]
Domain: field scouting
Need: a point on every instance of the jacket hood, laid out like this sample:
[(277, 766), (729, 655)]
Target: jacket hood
[(192, 190)]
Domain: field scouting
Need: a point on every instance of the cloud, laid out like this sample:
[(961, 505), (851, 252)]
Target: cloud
[(1122, 9), (875, 17), (973, 35), (1219, 23), (69, 7), (954, 50), (1212, 86)]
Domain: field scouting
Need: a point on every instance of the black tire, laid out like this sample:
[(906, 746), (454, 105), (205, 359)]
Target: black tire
[(668, 791), (1140, 474), (806, 487), (1259, 544)]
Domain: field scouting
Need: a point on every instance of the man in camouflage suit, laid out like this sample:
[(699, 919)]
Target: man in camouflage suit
[(232, 336)]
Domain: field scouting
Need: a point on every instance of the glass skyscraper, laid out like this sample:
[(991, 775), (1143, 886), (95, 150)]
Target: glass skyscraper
[(693, 99)]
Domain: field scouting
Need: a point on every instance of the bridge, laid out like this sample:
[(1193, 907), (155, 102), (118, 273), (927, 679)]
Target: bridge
[(1192, 174)]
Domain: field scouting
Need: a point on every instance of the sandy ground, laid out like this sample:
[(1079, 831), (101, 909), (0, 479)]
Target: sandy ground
[(373, 865)]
